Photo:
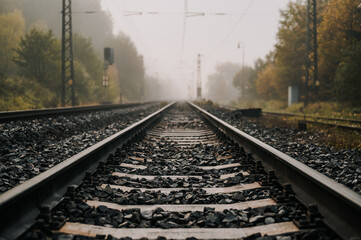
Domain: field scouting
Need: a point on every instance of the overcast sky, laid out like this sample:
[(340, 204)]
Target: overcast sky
[(159, 37)]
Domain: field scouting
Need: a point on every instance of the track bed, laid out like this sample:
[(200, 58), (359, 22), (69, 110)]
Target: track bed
[(180, 179)]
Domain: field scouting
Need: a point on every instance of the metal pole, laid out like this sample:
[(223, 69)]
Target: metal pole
[(67, 63), (63, 57), (199, 80), (243, 72), (315, 46), (192, 85), (307, 52), (311, 75), (73, 101)]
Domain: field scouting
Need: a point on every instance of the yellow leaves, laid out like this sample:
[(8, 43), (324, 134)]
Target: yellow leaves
[(12, 28), (266, 82), (338, 18)]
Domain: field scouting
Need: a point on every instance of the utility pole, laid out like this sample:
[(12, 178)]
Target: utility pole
[(192, 95), (199, 80), (184, 25), (243, 84), (67, 63), (311, 75)]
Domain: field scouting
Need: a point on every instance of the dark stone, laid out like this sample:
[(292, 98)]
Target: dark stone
[(102, 209), (230, 217)]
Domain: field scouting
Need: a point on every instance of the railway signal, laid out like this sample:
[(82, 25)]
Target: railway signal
[(108, 60)]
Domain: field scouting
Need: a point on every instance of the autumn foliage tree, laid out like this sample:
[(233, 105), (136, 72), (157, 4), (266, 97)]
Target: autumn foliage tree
[(266, 83), (339, 31), (339, 40), (285, 65), (290, 48)]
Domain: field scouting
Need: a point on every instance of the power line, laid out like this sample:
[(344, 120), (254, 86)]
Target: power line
[(131, 27), (192, 14), (187, 14), (136, 31), (232, 29), (184, 26)]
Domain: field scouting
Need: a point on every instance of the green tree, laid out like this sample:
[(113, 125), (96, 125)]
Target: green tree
[(130, 68), (18, 93), (290, 48), (85, 53), (88, 71), (220, 84), (38, 57), (244, 80), (348, 77), (12, 27)]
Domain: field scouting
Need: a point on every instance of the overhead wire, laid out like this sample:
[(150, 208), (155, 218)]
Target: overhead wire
[(192, 14), (186, 14), (132, 27), (232, 29), (184, 27), (136, 30)]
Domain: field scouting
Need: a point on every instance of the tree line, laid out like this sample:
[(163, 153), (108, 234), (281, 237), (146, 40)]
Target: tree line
[(339, 51), (30, 56)]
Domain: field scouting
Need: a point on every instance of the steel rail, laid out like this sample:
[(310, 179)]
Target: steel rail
[(313, 117), (299, 115), (346, 127), (19, 206), (340, 206), (304, 117), (36, 113), (327, 124)]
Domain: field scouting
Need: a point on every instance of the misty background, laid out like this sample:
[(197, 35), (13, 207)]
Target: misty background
[(156, 43)]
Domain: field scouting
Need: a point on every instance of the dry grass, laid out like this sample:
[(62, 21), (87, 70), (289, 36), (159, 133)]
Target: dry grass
[(338, 138)]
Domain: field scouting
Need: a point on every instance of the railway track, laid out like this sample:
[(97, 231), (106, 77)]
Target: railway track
[(32, 145), (180, 173), (50, 112), (351, 124)]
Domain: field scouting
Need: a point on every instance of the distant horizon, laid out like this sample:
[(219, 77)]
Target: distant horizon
[(158, 37)]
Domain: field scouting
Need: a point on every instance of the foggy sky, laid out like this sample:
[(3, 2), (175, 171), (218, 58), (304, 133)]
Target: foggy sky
[(158, 37)]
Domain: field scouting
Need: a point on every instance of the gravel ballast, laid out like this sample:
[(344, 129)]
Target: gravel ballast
[(30, 147), (343, 166), (186, 160)]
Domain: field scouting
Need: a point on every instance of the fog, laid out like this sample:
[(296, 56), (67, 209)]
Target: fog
[(160, 37), (156, 44)]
